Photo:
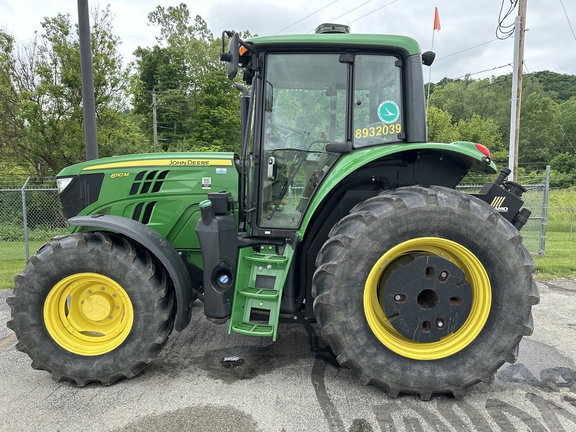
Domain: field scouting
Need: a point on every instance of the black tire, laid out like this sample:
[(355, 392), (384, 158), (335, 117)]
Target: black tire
[(92, 307), (370, 256)]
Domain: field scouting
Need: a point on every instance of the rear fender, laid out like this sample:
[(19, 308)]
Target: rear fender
[(465, 155), (158, 246)]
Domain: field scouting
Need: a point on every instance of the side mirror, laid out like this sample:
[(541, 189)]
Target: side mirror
[(232, 57), (428, 58)]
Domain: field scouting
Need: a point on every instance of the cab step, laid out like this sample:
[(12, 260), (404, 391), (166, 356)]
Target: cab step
[(260, 280)]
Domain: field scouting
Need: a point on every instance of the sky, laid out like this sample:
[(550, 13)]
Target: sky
[(465, 44)]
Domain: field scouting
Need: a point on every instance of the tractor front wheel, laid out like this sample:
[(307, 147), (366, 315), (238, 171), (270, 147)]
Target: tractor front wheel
[(424, 290), (92, 307)]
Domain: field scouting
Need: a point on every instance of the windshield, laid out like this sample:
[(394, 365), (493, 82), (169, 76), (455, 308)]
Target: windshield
[(305, 108)]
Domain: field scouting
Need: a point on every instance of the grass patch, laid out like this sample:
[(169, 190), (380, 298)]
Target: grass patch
[(8, 271), (562, 197), (13, 260), (559, 261)]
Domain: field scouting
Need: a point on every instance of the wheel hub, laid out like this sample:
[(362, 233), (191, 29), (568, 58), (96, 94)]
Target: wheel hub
[(97, 307), (425, 297), (88, 314)]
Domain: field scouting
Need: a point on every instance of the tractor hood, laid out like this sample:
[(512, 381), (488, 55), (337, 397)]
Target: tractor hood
[(150, 188)]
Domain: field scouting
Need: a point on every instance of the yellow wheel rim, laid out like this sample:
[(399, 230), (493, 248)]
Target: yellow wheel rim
[(88, 314), (481, 299)]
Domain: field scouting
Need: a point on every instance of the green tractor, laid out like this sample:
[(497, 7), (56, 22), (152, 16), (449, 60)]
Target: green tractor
[(336, 211)]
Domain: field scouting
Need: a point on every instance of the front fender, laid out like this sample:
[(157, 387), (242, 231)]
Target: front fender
[(159, 247)]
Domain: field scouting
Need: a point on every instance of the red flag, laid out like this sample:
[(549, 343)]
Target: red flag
[(436, 19)]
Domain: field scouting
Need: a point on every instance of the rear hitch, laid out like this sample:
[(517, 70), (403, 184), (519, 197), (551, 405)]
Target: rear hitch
[(506, 197)]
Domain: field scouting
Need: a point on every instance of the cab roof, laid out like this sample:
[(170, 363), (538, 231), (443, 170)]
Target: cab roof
[(340, 39)]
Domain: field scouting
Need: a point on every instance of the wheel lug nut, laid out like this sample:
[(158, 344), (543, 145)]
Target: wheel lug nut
[(397, 297), (440, 323), (443, 277)]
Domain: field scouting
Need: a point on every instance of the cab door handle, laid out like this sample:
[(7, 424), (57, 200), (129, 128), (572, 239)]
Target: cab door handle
[(272, 168)]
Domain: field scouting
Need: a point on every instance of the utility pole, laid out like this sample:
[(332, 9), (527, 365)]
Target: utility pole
[(88, 101), (519, 32), (154, 120)]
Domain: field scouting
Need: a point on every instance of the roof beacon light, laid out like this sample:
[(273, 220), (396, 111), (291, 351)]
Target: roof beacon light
[(332, 28)]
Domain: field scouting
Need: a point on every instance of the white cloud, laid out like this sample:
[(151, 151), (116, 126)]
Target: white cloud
[(549, 41)]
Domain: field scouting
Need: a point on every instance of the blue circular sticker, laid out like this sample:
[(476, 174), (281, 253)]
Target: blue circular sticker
[(389, 112)]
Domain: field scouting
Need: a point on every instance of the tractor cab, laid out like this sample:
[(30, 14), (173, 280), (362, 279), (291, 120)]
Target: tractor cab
[(313, 99)]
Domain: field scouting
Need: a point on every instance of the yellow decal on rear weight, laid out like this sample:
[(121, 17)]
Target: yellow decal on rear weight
[(497, 201)]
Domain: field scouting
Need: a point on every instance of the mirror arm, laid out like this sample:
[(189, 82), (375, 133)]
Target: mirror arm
[(224, 56), (248, 46)]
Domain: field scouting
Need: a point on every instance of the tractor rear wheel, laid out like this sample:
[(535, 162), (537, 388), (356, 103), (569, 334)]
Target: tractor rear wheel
[(92, 307), (424, 290)]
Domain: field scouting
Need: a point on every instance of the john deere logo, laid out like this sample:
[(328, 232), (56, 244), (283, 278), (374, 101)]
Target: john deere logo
[(497, 204), (389, 112)]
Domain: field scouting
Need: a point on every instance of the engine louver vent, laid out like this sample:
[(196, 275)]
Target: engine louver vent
[(143, 212), (148, 182)]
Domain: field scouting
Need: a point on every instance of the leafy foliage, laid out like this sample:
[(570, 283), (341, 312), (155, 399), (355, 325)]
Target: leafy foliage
[(41, 113), (197, 107), (559, 87), (41, 96), (479, 111)]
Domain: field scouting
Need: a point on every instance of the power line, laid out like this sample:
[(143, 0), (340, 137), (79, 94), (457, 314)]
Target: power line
[(569, 23), (381, 7), (505, 31), (467, 49), (485, 70), (307, 16), (346, 13)]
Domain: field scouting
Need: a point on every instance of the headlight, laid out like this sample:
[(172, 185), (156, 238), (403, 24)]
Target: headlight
[(62, 183)]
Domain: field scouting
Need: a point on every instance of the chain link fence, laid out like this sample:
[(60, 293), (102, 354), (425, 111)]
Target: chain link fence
[(30, 215), (533, 232)]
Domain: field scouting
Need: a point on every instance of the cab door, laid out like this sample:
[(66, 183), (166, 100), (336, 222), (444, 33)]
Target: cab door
[(305, 100)]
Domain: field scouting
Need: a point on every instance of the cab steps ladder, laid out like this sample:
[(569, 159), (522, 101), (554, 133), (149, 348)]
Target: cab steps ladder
[(258, 293)]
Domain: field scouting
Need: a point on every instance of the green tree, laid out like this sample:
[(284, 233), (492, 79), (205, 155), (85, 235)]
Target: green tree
[(42, 92), (10, 127), (197, 106), (540, 137), (440, 127), (480, 111), (559, 87), (567, 124), (480, 130), (486, 132)]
